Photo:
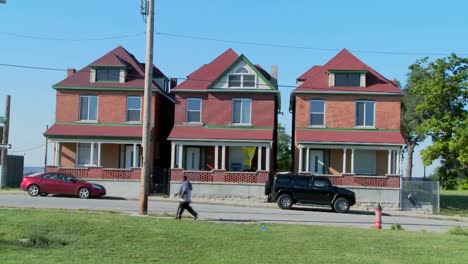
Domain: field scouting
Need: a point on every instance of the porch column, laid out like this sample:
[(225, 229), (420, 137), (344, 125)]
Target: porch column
[(181, 148), (267, 158), (352, 161), (172, 155), (259, 158), (92, 154), (223, 157), (134, 165), (344, 160), (99, 155), (398, 157), (300, 159), (389, 158), (57, 154), (216, 157), (307, 160)]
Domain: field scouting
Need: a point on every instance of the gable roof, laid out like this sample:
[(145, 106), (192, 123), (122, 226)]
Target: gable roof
[(118, 57), (208, 74), (316, 78)]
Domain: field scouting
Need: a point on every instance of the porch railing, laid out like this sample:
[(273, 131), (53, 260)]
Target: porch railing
[(99, 173), (220, 176)]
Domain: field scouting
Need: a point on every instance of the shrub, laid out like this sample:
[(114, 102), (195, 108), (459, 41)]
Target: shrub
[(459, 231), (397, 226)]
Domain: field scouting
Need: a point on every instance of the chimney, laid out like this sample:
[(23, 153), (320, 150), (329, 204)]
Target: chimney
[(173, 83), (70, 72), (274, 75)]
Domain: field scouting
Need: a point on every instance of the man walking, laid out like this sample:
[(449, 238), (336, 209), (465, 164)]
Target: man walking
[(185, 198)]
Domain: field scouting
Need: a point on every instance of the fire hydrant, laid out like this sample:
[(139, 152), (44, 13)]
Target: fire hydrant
[(378, 217)]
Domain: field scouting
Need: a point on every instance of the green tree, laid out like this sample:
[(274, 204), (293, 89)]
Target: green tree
[(284, 150), (410, 118), (444, 112)]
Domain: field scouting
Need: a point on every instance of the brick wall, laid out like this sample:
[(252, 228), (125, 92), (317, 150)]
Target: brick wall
[(68, 156), (340, 110), (110, 155)]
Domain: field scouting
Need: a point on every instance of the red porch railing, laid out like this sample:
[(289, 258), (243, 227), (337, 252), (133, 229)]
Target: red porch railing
[(220, 176), (389, 181), (99, 173)]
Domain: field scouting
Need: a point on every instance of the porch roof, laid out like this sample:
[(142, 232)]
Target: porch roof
[(89, 130), (369, 137), (201, 132)]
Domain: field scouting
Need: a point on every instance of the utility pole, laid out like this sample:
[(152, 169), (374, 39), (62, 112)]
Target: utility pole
[(46, 148), (146, 138), (6, 128)]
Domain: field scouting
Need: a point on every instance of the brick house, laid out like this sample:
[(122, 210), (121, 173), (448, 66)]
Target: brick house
[(224, 135), (346, 125), (98, 122)]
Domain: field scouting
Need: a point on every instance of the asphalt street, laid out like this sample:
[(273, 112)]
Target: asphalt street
[(231, 213)]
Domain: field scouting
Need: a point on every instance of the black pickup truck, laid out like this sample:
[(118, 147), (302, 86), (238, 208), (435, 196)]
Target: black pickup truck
[(289, 188)]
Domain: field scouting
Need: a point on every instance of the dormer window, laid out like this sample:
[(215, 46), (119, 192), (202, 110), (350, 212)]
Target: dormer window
[(107, 75), (351, 78), (242, 78)]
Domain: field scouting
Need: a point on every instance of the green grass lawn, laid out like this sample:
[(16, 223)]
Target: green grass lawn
[(454, 203), (51, 236)]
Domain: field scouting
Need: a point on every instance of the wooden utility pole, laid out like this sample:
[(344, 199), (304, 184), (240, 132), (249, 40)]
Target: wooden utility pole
[(6, 128), (46, 148), (146, 138)]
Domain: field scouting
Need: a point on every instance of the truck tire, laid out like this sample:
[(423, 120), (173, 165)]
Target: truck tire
[(285, 201), (341, 205)]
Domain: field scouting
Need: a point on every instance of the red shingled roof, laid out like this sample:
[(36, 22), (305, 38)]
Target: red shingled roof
[(194, 132), (316, 78), (66, 130), (118, 57), (360, 136)]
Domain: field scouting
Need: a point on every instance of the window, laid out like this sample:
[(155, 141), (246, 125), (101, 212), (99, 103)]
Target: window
[(88, 107), (133, 108), (365, 113), (364, 162), (302, 181), (321, 183), (108, 75), (317, 112), (241, 78), (347, 79), (194, 110), (241, 111), (84, 154)]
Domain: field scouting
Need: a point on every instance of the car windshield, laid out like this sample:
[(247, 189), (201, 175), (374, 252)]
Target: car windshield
[(33, 174)]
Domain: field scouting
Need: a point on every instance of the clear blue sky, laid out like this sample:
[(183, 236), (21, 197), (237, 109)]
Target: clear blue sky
[(425, 27)]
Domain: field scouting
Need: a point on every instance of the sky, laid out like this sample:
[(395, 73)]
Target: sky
[(386, 35)]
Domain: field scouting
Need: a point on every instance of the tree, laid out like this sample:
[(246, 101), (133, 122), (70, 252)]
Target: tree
[(444, 111), (410, 118), (284, 149)]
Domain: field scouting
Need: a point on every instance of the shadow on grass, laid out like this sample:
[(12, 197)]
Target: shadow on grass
[(453, 203)]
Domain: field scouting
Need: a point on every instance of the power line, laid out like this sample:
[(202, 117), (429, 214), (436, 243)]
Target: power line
[(29, 149), (31, 67), (303, 47), (71, 39)]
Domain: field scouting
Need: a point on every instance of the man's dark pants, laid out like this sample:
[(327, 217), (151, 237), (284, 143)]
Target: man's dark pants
[(182, 207)]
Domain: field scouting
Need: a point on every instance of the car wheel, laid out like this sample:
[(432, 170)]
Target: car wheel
[(43, 194), (267, 187), (33, 190), (83, 193), (341, 205), (285, 201)]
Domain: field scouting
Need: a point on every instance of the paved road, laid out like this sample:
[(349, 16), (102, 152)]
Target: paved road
[(234, 214)]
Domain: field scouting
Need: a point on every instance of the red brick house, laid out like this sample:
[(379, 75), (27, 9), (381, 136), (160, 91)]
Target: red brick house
[(224, 135), (346, 124), (98, 123)]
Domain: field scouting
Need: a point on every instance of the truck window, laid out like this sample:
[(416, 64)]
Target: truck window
[(302, 181), (321, 183)]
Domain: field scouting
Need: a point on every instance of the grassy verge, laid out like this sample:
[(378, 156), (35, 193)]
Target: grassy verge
[(44, 236), (454, 203)]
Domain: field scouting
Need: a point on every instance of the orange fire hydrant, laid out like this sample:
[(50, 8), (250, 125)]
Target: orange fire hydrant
[(378, 217)]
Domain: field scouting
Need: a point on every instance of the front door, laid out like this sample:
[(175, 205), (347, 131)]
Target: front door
[(192, 159), (129, 156), (316, 163)]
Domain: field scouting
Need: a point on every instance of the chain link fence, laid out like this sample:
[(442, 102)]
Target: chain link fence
[(420, 195)]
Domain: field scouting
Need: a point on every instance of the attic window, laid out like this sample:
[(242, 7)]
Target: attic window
[(107, 75), (241, 78), (347, 79)]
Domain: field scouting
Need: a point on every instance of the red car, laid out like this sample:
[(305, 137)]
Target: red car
[(58, 183)]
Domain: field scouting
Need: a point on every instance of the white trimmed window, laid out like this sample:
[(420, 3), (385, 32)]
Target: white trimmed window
[(364, 162), (241, 78), (317, 113), (107, 75), (84, 154), (365, 113), (88, 107), (194, 106), (133, 108), (241, 111)]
